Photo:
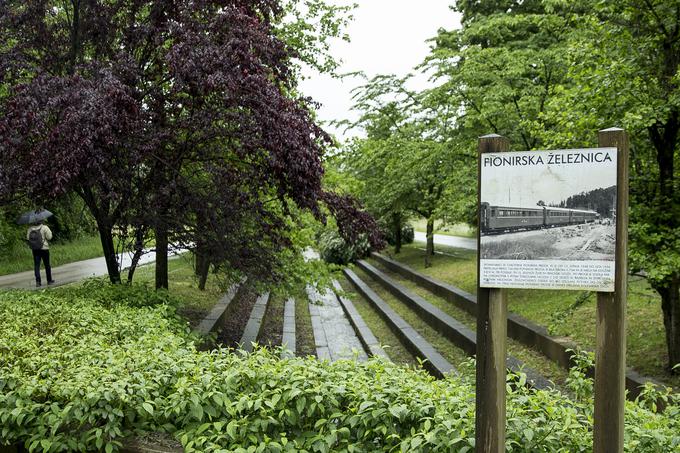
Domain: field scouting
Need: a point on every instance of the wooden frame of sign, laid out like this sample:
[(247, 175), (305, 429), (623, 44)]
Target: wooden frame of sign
[(610, 354)]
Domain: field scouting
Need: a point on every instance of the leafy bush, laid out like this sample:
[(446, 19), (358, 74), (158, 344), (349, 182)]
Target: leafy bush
[(11, 234), (76, 375), (6, 233), (71, 220), (407, 234), (335, 250), (100, 291), (80, 375)]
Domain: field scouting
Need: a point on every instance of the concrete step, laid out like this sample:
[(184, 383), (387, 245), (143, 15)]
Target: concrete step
[(371, 344), (458, 333), (334, 336), (451, 328), (214, 318), (558, 349), (435, 363), (254, 324)]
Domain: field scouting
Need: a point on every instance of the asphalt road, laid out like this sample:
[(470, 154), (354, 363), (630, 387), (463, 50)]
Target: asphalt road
[(69, 273), (451, 241)]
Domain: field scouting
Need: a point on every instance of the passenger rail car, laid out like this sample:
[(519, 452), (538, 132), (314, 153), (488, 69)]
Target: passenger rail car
[(509, 218)]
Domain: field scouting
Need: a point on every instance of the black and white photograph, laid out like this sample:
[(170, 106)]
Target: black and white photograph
[(545, 210)]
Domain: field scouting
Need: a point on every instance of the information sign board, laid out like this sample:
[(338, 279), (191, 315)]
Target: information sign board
[(548, 219)]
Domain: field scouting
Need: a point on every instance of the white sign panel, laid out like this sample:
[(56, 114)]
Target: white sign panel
[(548, 219)]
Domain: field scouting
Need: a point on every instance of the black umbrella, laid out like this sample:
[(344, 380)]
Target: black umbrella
[(34, 216)]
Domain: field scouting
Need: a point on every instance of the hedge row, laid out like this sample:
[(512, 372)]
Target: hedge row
[(81, 370)]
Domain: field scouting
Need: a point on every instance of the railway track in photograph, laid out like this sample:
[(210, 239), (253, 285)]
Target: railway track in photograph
[(570, 242)]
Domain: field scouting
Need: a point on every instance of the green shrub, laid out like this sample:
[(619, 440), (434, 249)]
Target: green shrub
[(76, 374), (100, 291), (11, 235), (407, 234), (80, 375), (335, 250), (71, 220)]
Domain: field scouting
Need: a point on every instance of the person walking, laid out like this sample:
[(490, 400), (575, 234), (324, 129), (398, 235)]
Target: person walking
[(38, 237)]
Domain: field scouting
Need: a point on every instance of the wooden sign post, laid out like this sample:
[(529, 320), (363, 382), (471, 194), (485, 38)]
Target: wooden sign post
[(610, 353), (492, 326), (536, 262)]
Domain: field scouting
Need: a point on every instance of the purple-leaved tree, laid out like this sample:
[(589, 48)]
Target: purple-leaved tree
[(177, 117)]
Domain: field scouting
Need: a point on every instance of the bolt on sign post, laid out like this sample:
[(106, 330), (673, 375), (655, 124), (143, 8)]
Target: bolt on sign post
[(552, 220)]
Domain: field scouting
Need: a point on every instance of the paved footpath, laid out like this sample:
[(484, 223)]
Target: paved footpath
[(333, 334), (452, 241), (69, 273)]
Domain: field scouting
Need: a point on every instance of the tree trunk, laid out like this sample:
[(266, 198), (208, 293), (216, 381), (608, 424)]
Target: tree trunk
[(105, 229), (199, 258), (203, 277), (133, 265), (202, 266), (161, 257), (664, 137), (429, 248), (139, 251), (106, 237), (670, 304), (397, 225)]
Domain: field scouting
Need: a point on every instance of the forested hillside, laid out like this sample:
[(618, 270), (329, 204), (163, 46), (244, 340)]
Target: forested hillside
[(600, 200)]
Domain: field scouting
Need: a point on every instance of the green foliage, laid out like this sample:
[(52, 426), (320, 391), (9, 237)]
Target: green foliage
[(101, 292), (80, 375), (71, 219), (495, 75), (77, 375), (12, 236), (310, 26), (407, 234), (578, 383), (401, 167), (622, 61), (335, 250), (296, 270)]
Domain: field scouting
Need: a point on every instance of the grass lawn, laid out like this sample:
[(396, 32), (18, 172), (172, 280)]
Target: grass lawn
[(304, 333), (20, 258), (271, 331), (196, 304), (458, 229), (531, 358), (446, 348), (565, 313)]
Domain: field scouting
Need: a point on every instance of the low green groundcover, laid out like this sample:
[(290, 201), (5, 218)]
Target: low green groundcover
[(83, 369)]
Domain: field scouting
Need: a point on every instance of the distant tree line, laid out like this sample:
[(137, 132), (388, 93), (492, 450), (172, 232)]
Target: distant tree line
[(598, 200)]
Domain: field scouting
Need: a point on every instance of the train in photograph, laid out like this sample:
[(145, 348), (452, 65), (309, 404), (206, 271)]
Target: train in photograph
[(497, 219)]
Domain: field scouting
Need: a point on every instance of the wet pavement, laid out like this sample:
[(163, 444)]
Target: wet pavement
[(69, 273), (334, 336), (451, 241)]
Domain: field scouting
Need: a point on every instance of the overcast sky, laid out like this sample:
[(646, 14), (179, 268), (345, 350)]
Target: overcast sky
[(388, 37), (524, 186)]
